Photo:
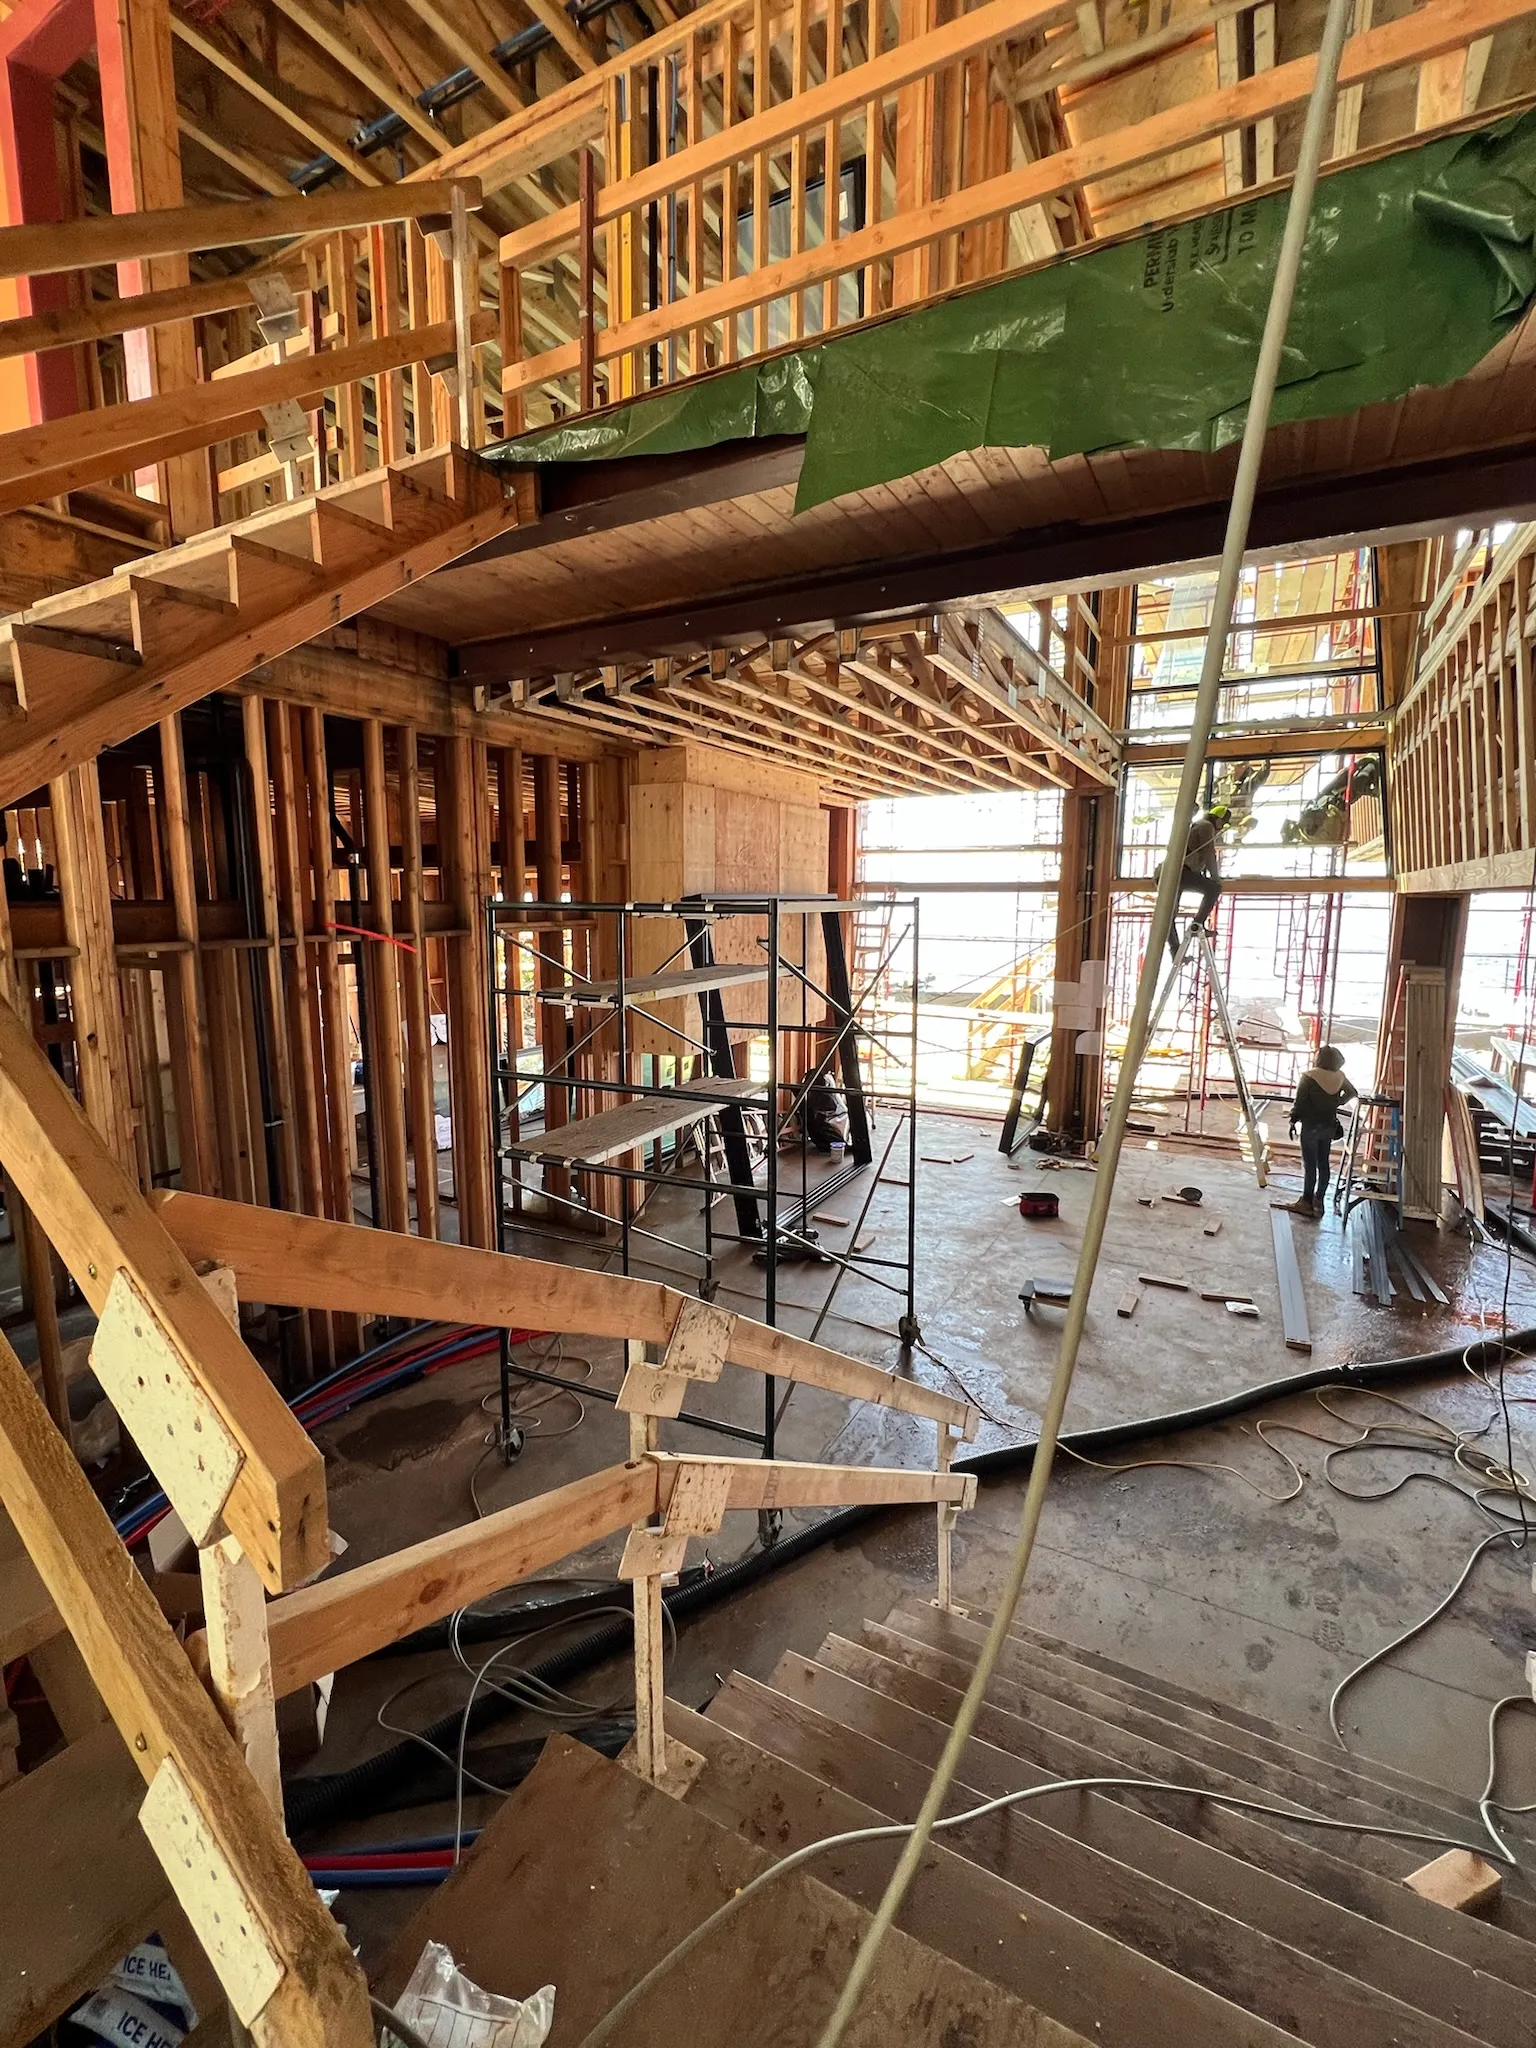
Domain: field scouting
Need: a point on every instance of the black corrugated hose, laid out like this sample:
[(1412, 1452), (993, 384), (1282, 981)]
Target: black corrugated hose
[(316, 1802)]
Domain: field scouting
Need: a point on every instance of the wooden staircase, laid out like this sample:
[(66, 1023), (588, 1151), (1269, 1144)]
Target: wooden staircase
[(1138, 1918), (90, 667)]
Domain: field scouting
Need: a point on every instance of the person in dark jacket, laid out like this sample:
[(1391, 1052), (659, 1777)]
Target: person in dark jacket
[(1321, 1093)]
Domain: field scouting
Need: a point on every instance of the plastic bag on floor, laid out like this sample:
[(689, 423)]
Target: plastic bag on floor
[(448, 2010)]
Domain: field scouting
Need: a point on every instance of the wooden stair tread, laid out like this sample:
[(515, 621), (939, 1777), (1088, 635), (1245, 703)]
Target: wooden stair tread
[(1139, 1751), (1006, 1747), (79, 1883), (764, 1781), (649, 988), (1114, 1700), (591, 1140), (1236, 1722), (1302, 1977), (586, 1876), (1128, 1731)]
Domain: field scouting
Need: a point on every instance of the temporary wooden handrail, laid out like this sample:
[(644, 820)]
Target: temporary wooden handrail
[(60, 455), (101, 1227), (39, 249), (282, 1959), (309, 1262), (562, 121), (324, 1627), (1430, 31), (849, 92), (63, 326)]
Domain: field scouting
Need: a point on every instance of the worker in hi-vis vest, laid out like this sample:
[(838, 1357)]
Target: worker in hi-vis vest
[(1202, 867)]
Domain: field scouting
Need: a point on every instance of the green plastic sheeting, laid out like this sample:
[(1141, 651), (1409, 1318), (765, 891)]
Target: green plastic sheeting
[(1414, 268)]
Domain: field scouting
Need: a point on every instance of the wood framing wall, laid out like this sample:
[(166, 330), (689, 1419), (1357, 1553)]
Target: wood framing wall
[(1462, 759), (252, 941)]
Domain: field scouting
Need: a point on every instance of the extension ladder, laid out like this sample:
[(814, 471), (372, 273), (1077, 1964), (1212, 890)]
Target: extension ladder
[(1197, 940)]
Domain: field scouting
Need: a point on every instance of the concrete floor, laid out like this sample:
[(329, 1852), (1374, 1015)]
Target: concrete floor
[(1190, 1573)]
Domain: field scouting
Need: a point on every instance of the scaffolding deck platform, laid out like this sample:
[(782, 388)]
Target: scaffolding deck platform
[(593, 1140), (683, 981)]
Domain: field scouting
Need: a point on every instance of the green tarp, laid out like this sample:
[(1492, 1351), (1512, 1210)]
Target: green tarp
[(1414, 267)]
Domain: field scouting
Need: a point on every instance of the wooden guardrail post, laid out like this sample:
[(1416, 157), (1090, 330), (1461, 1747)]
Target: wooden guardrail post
[(235, 1611), (696, 1350), (948, 1515)]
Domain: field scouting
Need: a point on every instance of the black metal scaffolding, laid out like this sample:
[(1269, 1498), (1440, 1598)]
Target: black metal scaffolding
[(746, 1117)]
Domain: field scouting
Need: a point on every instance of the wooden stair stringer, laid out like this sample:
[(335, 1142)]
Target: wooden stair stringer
[(274, 581)]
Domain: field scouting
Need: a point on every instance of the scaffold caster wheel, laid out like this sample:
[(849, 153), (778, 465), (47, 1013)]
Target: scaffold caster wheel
[(770, 1526), (510, 1442), (910, 1330), (708, 1289)]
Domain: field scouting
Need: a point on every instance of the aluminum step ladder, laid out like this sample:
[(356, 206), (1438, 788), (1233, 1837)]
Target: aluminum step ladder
[(1197, 940)]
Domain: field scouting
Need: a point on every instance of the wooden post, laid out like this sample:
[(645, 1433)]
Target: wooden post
[(101, 1042), (379, 965), (338, 1060), (463, 843), (280, 1065), (586, 310), (138, 112), (650, 1749), (199, 1152), (420, 1085), (341, 284), (466, 303), (948, 1515), (384, 284), (514, 416)]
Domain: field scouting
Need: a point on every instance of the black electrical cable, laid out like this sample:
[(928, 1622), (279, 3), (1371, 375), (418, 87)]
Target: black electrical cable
[(318, 1801)]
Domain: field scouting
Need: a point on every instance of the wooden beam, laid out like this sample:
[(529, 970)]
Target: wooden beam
[(225, 62), (281, 1957), (101, 1226), (489, 73), (313, 23), (563, 120), (564, 31), (350, 688), (324, 1627), (304, 1262), (40, 249), (238, 160), (1293, 1298)]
